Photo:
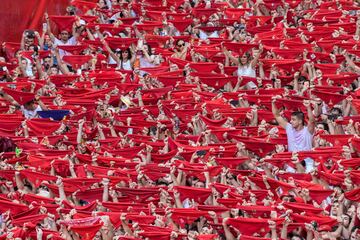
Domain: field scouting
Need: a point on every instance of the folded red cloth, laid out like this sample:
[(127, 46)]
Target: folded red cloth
[(14, 208), (198, 194), (64, 23), (249, 226), (353, 195), (34, 219), (20, 97), (87, 232), (77, 60)]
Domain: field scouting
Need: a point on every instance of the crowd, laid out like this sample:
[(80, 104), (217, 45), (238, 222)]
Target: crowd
[(183, 119)]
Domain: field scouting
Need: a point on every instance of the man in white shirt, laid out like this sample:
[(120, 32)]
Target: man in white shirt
[(30, 108), (64, 37), (298, 134)]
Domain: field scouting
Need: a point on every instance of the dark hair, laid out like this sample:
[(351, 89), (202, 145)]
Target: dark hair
[(129, 54), (7, 145), (302, 79), (299, 115), (326, 126), (291, 235), (336, 109), (247, 54), (149, 49), (355, 228)]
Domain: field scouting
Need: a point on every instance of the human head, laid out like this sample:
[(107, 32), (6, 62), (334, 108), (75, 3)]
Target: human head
[(7, 145), (53, 70), (47, 62), (147, 48), (126, 54), (64, 35), (245, 58), (297, 119), (180, 44), (31, 106)]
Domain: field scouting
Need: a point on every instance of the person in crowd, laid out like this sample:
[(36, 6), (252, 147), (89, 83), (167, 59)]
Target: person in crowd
[(183, 120)]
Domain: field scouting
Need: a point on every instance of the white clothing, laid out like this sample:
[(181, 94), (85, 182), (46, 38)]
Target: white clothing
[(28, 113), (28, 68), (247, 71), (203, 35), (111, 60), (70, 41), (300, 141), (126, 65)]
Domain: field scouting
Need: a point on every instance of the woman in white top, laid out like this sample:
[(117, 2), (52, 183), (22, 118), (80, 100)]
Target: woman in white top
[(246, 64), (124, 59), (147, 58)]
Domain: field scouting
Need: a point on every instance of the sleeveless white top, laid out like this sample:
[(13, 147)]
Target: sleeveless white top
[(247, 71), (126, 65), (298, 140)]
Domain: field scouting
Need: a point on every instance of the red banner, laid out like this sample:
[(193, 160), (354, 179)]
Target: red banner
[(18, 15)]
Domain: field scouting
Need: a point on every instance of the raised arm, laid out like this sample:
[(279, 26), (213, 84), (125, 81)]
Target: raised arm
[(255, 61), (311, 118), (230, 56), (51, 35), (282, 122)]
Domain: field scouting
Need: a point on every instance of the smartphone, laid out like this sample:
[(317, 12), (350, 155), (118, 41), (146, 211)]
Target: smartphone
[(45, 27)]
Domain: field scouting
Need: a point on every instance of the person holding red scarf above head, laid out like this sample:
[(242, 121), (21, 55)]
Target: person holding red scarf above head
[(246, 64), (299, 135), (65, 37), (29, 106)]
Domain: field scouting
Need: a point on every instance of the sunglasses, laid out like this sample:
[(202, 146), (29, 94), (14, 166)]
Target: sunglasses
[(181, 45)]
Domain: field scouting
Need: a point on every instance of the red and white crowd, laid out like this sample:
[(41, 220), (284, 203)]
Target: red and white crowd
[(183, 119)]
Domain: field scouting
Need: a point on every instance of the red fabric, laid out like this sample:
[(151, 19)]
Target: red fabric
[(18, 17), (76, 60), (87, 232), (353, 195), (15, 208), (204, 67), (248, 226), (35, 219), (63, 22), (198, 194), (20, 97)]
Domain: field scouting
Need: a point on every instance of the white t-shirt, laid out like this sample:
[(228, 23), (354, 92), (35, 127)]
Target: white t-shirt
[(28, 113), (298, 140), (70, 41)]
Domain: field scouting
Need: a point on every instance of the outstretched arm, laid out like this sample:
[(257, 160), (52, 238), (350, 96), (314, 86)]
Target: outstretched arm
[(51, 35), (311, 118), (282, 122)]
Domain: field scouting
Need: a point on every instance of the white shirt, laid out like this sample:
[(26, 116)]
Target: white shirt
[(247, 71), (298, 140), (203, 35), (28, 113), (70, 41)]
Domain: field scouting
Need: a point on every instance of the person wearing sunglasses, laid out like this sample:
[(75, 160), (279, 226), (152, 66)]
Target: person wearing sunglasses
[(180, 50)]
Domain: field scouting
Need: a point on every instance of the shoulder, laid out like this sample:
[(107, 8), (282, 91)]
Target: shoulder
[(289, 127), (38, 108)]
